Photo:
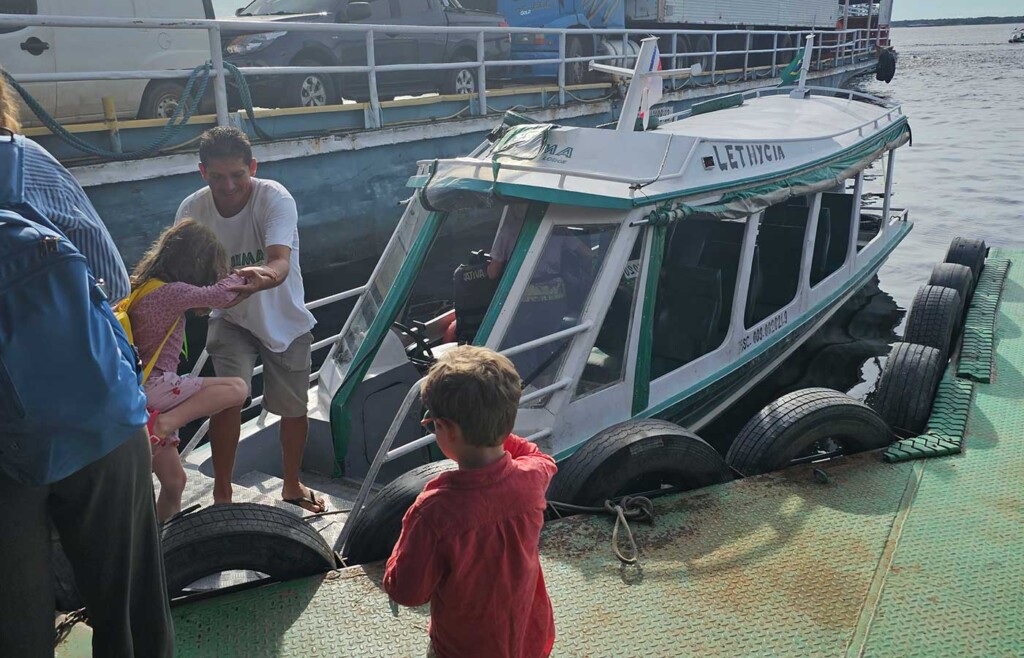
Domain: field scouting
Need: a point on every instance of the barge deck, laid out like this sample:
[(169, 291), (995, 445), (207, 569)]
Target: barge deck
[(877, 554)]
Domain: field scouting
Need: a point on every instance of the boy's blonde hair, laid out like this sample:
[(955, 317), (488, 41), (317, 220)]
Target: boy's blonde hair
[(476, 388)]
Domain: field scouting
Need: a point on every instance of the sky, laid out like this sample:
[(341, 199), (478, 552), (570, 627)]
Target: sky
[(910, 9)]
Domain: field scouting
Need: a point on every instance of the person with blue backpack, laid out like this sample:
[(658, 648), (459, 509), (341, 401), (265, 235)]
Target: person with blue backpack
[(74, 452)]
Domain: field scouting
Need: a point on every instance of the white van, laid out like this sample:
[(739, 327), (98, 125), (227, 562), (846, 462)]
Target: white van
[(66, 49)]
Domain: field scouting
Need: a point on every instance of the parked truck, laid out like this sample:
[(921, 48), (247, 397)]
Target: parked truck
[(664, 15)]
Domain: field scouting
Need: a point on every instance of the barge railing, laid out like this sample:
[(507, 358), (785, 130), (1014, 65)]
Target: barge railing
[(840, 47)]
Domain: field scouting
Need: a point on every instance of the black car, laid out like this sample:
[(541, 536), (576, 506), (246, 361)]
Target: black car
[(274, 45)]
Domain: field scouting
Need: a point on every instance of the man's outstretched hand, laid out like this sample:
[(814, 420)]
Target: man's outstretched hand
[(259, 277)]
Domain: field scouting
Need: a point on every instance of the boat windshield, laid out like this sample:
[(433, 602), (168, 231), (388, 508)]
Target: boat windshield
[(381, 281)]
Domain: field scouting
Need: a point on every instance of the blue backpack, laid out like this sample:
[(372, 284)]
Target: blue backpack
[(69, 379)]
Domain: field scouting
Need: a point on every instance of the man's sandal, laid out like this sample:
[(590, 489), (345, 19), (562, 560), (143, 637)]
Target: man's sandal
[(309, 499)]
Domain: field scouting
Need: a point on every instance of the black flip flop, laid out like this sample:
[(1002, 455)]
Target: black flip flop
[(308, 499)]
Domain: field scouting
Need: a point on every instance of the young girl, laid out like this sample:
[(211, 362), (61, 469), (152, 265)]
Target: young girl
[(193, 267)]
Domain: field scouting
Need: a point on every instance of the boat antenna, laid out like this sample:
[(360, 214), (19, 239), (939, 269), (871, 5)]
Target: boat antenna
[(805, 66), (646, 65)]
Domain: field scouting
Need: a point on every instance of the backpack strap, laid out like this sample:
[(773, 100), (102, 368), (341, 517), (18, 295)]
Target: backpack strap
[(152, 362), (125, 304)]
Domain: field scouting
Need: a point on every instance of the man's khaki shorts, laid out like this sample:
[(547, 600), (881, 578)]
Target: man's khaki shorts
[(234, 350)]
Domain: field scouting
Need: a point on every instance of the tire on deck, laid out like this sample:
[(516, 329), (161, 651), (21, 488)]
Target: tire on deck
[(934, 318), (793, 424), (955, 276), (634, 457), (376, 530), (906, 388), (243, 536), (969, 252)]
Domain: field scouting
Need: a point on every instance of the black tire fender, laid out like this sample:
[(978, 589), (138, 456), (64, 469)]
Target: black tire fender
[(934, 318), (242, 536), (377, 528), (906, 388), (790, 426), (955, 276), (629, 457), (969, 252)]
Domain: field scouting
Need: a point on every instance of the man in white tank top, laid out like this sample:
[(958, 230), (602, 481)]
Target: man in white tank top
[(257, 222)]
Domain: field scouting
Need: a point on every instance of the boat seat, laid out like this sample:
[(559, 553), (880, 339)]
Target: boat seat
[(840, 208), (796, 216), (689, 306)]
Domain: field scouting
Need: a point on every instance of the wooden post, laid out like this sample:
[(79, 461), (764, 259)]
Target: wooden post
[(110, 117)]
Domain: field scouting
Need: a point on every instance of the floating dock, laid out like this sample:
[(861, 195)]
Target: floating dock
[(880, 554)]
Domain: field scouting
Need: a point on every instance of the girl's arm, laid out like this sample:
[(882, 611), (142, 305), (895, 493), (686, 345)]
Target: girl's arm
[(185, 296)]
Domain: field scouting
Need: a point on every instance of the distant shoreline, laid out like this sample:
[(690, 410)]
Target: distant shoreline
[(981, 20)]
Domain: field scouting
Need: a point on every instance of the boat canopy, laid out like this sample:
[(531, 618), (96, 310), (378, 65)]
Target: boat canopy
[(725, 163)]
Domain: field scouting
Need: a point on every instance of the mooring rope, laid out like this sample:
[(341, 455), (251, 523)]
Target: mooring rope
[(630, 508)]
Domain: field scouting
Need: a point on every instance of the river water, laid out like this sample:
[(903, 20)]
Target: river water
[(962, 89)]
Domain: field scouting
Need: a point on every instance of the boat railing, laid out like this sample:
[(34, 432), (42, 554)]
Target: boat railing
[(258, 400), (839, 47), (385, 453)]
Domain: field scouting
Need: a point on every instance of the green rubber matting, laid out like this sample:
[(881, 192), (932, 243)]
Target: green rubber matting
[(947, 423), (910, 559)]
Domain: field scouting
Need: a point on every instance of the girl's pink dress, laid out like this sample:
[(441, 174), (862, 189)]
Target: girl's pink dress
[(151, 317)]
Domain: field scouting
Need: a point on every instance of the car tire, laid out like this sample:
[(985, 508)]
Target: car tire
[(241, 536), (934, 319), (955, 276), (161, 99), (461, 80), (377, 528), (791, 425), (576, 73), (907, 386), (635, 457), (309, 89)]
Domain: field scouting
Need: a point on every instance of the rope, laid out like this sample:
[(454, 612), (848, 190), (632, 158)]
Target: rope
[(186, 108), (635, 508)]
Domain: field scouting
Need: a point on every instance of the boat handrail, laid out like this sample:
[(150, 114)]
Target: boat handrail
[(892, 113), (258, 400), (386, 453), (845, 46)]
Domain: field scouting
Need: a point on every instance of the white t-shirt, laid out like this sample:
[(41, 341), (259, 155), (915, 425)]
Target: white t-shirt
[(276, 316)]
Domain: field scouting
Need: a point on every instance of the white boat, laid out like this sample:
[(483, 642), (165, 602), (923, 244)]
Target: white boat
[(1017, 36), (658, 275)]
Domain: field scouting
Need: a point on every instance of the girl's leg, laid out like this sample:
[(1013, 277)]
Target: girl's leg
[(216, 394), (167, 467)]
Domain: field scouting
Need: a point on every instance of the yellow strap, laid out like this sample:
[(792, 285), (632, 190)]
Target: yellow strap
[(135, 296), (152, 362)]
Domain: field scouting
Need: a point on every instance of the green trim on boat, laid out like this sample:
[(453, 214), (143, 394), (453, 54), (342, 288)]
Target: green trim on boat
[(367, 351), (642, 373)]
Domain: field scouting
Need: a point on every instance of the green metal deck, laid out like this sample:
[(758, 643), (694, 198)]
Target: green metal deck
[(913, 558)]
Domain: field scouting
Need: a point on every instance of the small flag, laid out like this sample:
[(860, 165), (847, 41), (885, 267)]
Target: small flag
[(652, 88), (791, 73)]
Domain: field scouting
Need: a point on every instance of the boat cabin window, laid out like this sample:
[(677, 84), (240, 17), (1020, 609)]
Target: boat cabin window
[(607, 360), (775, 268), (695, 291), (559, 288), (872, 198), (832, 243)]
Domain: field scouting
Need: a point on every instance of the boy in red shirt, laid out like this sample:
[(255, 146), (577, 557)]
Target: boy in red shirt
[(469, 544)]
